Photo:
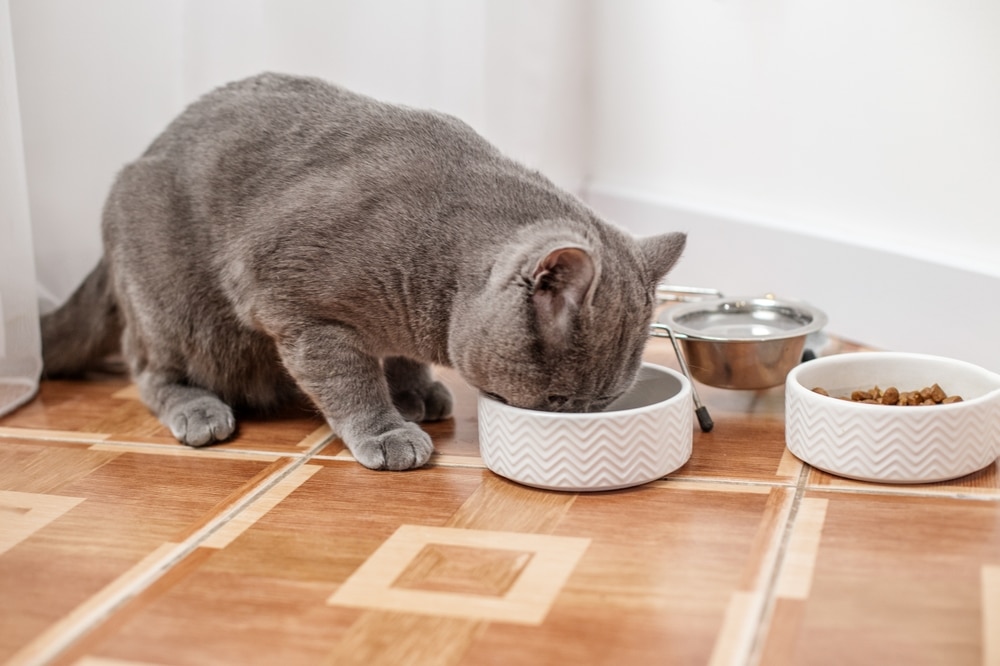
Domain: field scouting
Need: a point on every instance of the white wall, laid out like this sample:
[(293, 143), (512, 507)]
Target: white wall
[(859, 131), (99, 79), (517, 70), (846, 153), (420, 52), (875, 120)]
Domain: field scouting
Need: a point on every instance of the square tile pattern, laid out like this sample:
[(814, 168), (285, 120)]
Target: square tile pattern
[(119, 546), (484, 571), (464, 573)]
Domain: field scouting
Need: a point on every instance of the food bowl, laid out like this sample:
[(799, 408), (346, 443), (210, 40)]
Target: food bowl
[(888, 443), (641, 437), (742, 343)]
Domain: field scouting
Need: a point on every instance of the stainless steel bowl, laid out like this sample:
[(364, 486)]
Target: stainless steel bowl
[(742, 343)]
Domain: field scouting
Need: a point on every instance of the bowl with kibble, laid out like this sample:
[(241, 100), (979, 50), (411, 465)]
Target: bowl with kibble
[(642, 436), (893, 417)]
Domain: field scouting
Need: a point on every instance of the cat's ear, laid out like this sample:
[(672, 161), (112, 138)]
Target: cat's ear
[(661, 253), (562, 280)]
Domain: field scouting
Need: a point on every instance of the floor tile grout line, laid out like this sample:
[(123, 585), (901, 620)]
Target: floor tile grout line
[(473, 463), (77, 629), (97, 439), (732, 481), (767, 607), (456, 465), (476, 464), (209, 451), (248, 452), (73, 634), (803, 486), (60, 436), (312, 453), (883, 490)]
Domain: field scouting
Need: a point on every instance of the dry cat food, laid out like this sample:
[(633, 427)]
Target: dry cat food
[(929, 395)]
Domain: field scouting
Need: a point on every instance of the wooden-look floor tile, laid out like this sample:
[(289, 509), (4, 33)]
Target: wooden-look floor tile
[(983, 484), (531, 567), (457, 566), (880, 579), (80, 525), (262, 596), (107, 408), (672, 575), (119, 546)]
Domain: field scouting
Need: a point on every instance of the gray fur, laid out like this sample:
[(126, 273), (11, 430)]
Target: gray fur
[(285, 237)]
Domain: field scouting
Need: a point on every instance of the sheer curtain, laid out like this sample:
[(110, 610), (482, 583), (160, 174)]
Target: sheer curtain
[(20, 348), (97, 81)]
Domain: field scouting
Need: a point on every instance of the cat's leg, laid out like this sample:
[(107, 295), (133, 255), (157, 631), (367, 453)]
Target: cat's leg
[(330, 364), (416, 394), (195, 416)]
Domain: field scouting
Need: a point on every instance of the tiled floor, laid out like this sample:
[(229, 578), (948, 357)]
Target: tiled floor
[(119, 546)]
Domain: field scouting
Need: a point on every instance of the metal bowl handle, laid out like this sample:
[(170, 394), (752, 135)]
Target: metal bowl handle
[(669, 292), (704, 418)]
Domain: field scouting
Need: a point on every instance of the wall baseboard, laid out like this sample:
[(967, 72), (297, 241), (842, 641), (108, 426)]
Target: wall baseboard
[(877, 296)]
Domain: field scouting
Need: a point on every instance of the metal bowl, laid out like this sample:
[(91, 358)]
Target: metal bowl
[(742, 343)]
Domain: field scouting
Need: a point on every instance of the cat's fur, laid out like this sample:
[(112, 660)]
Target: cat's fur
[(284, 237)]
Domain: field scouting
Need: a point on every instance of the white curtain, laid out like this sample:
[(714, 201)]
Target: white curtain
[(97, 80), (20, 348)]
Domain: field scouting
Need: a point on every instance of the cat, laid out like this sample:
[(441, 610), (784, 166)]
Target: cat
[(285, 238)]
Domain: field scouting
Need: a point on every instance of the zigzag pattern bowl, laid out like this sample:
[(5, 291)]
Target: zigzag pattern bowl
[(892, 444), (641, 437)]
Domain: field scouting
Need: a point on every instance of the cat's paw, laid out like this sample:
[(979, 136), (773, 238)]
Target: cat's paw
[(204, 420), (398, 449), (430, 403), (438, 402)]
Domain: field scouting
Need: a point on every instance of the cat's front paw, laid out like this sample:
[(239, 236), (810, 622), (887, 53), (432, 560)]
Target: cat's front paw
[(204, 420), (398, 449), (430, 403)]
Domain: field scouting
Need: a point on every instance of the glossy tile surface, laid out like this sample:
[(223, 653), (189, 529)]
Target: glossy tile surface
[(120, 546)]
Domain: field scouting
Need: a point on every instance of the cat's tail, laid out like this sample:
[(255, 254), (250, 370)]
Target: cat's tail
[(85, 330)]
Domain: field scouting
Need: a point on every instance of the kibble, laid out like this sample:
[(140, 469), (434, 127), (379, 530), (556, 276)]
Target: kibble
[(929, 395)]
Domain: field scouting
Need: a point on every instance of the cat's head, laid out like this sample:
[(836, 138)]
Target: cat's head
[(564, 317)]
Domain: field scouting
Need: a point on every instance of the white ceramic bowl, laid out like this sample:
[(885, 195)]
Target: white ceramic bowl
[(641, 437), (892, 444)]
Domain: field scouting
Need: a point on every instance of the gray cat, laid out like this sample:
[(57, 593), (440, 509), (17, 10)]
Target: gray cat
[(286, 238)]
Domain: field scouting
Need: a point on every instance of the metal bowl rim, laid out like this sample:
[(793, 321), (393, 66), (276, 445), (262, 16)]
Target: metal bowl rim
[(672, 314)]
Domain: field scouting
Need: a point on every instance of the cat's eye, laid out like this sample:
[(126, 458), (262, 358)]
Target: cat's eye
[(498, 398), (557, 401)]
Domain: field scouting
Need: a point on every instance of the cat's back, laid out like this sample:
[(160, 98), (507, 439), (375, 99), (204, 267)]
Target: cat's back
[(265, 105), (278, 129), (269, 146)]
